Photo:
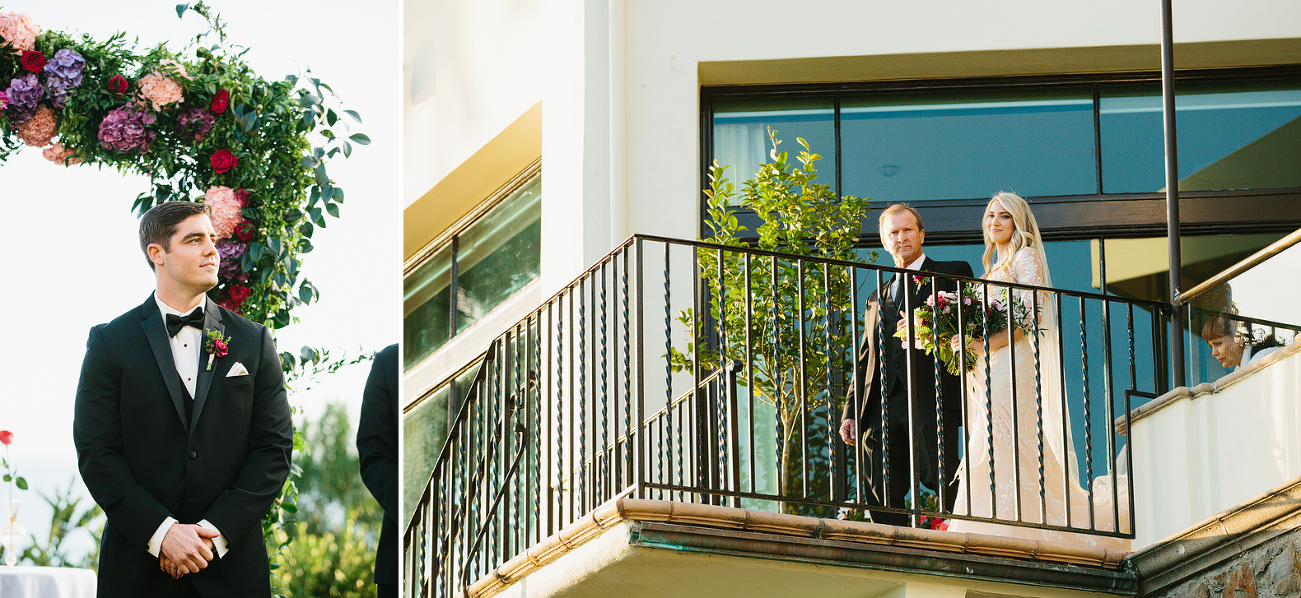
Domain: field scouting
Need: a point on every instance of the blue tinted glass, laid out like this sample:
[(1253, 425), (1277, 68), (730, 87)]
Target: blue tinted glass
[(1228, 138), (741, 134), (426, 306), (967, 144)]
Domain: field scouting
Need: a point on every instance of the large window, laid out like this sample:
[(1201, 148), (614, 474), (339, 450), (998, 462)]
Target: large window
[(1087, 150), (473, 271)]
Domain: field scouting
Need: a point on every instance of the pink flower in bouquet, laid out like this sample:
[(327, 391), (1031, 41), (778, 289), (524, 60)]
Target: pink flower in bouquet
[(18, 31), (61, 155), (4, 100), (225, 210), (160, 90), (38, 130)]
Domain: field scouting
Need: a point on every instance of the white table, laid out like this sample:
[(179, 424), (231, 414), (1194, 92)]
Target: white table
[(46, 582)]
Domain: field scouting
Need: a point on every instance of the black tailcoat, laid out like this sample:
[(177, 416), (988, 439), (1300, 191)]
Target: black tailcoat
[(886, 312)]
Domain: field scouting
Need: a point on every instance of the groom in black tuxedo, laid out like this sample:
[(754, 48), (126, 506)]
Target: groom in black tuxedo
[(902, 235), (183, 445)]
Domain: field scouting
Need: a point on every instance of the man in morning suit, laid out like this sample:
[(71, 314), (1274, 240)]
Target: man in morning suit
[(902, 235), (183, 445), (377, 448)]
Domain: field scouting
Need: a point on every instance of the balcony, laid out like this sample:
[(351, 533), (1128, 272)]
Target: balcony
[(669, 420)]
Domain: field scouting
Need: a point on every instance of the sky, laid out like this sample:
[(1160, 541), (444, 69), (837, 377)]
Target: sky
[(69, 242)]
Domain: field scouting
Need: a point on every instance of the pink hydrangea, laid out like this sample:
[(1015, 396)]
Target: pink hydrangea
[(18, 31), (126, 130), (61, 155), (38, 130), (160, 90), (173, 67), (225, 210)]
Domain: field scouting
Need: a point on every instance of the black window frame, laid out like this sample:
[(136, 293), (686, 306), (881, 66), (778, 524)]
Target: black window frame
[(1062, 218)]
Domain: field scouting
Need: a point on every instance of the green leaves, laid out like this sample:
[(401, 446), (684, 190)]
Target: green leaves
[(180, 9)]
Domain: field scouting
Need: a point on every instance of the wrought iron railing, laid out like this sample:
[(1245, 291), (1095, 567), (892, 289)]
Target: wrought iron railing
[(687, 371)]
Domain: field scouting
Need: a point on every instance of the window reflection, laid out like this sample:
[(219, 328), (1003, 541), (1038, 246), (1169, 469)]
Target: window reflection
[(968, 144), (741, 133), (1230, 137)]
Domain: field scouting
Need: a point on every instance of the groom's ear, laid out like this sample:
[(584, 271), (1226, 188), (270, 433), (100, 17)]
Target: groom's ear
[(155, 253)]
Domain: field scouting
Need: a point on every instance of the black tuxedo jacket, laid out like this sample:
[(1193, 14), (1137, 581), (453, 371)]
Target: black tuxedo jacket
[(143, 460), (377, 447), (887, 311)]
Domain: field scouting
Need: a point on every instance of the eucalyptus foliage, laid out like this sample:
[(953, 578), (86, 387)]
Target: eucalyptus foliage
[(795, 329)]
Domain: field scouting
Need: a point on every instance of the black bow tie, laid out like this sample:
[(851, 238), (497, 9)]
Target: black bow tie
[(175, 323)]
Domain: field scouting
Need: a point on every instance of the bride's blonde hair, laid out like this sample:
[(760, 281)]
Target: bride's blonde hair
[(1025, 235)]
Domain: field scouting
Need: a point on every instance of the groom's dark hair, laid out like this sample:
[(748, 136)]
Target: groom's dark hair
[(159, 223)]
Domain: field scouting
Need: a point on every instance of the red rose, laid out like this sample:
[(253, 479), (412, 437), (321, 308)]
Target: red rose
[(33, 61), (244, 231), (117, 85), (228, 304), (220, 101), (223, 160), (6, 437), (238, 293), (241, 195), (219, 348)]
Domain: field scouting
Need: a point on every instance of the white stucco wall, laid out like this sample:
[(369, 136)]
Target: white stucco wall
[(1199, 453)]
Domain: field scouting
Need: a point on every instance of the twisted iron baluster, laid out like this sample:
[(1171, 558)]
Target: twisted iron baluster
[(722, 362), (668, 382), (1039, 407), (581, 439), (885, 392), (989, 405), (776, 374), (941, 491), (605, 392), (560, 419), (627, 376), (831, 425), (1088, 417)]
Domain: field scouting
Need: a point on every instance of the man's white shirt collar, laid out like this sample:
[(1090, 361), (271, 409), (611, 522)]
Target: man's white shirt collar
[(917, 263)]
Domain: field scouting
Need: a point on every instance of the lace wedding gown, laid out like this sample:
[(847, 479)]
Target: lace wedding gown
[(1058, 452)]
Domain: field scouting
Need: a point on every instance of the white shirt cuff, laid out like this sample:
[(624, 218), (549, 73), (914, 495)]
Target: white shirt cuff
[(156, 541), (219, 542)]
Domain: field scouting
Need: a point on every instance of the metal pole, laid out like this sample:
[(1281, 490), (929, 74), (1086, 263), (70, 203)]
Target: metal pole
[(1171, 191)]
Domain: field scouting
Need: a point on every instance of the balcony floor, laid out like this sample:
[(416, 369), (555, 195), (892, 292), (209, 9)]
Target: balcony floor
[(652, 549)]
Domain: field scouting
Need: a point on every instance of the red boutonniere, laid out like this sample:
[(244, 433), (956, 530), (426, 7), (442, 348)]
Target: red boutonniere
[(216, 346)]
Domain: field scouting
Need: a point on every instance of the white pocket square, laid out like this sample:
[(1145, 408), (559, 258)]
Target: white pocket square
[(237, 370)]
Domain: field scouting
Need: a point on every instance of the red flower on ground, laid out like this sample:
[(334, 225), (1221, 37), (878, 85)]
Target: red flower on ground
[(220, 101), (6, 437), (33, 61), (244, 231), (118, 85), (223, 160)]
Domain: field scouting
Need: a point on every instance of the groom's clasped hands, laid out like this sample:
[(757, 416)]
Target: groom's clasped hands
[(186, 548)]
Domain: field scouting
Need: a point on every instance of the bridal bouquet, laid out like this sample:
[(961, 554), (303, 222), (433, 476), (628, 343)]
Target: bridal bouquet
[(936, 323)]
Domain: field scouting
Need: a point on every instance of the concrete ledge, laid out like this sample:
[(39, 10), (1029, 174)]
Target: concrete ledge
[(730, 530), (1206, 388), (1218, 539)]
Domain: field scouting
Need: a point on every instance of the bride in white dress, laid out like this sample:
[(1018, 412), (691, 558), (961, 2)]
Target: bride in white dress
[(1014, 253)]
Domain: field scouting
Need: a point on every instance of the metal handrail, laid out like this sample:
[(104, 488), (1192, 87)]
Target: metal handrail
[(1233, 271)]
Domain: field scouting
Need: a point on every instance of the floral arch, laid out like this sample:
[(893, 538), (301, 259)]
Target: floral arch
[(203, 127)]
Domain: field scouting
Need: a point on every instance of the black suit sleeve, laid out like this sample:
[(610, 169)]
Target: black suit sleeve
[(377, 432), (97, 433), (240, 508)]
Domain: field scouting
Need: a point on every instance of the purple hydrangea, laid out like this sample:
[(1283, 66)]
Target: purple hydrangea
[(231, 250), (24, 92), (195, 120), (63, 75), (124, 130)]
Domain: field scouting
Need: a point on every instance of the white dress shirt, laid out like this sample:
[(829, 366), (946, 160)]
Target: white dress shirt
[(187, 347), (896, 281)]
